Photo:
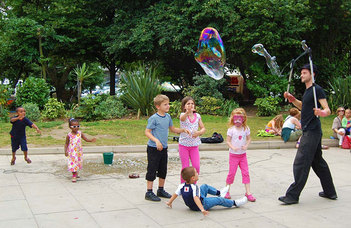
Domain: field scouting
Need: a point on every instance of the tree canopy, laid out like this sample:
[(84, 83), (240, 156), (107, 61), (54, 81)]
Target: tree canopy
[(54, 36)]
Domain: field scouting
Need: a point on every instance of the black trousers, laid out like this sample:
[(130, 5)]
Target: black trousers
[(309, 155), (156, 163)]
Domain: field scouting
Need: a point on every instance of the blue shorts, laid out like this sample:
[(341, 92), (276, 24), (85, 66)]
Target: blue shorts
[(16, 143)]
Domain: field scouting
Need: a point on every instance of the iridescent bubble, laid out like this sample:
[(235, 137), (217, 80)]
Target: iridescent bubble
[(210, 53), (270, 61)]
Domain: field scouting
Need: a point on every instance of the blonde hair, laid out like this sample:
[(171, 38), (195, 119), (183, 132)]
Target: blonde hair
[(347, 111), (278, 121), (187, 173), (237, 111), (159, 99)]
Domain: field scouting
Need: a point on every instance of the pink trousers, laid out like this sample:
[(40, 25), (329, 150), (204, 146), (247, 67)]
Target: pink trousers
[(192, 153), (236, 160)]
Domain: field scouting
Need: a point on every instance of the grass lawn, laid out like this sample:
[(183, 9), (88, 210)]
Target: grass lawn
[(131, 131)]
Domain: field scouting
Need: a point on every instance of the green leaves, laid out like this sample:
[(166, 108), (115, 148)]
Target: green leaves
[(139, 87), (33, 90)]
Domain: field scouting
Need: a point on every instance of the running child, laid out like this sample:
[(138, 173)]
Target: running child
[(18, 134), (196, 198), (189, 144), (157, 156), (238, 139), (73, 148)]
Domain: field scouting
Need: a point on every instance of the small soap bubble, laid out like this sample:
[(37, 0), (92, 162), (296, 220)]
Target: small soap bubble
[(210, 53)]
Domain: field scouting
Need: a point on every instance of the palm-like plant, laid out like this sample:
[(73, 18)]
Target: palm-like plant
[(82, 74), (139, 87), (340, 92)]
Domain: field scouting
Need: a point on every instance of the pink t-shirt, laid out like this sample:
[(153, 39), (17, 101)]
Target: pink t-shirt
[(192, 126), (238, 138)]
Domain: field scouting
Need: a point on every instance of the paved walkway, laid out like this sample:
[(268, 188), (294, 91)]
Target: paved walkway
[(41, 194)]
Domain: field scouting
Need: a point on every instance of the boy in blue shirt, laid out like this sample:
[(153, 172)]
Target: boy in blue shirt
[(18, 134), (157, 157), (196, 198)]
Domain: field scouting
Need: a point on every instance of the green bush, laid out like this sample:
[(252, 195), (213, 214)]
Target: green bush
[(174, 109), (267, 106), (33, 90), (110, 108), (32, 111), (340, 92), (227, 107), (205, 86), (54, 109), (86, 110), (209, 105), (5, 94), (263, 85), (4, 115), (139, 86)]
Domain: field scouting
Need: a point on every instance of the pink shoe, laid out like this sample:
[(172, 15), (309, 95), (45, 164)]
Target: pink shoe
[(227, 196), (250, 197)]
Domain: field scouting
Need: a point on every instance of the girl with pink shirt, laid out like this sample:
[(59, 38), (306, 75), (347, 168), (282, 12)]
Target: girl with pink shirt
[(238, 139), (189, 144)]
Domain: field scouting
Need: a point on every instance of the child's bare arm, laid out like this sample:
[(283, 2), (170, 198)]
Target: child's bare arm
[(201, 131), (153, 138), (229, 143), (169, 203), (200, 206), (179, 130), (248, 140), (88, 140), (66, 145), (36, 128)]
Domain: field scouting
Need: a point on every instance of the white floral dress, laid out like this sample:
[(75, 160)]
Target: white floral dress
[(75, 152)]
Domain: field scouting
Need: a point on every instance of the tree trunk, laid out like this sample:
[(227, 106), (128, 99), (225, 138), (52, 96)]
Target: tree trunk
[(112, 69)]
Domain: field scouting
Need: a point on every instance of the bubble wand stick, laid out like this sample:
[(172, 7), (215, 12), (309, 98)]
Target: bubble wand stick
[(309, 51), (293, 61)]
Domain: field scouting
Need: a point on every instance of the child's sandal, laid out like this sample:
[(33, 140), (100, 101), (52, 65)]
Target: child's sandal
[(28, 160), (13, 161), (74, 179)]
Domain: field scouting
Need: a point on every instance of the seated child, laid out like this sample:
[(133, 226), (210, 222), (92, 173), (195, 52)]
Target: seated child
[(275, 125), (196, 199), (346, 121)]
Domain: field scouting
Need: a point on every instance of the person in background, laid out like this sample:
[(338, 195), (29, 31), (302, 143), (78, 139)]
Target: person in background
[(339, 131)]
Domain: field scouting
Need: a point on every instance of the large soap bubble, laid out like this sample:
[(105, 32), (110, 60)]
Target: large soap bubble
[(210, 53), (270, 61)]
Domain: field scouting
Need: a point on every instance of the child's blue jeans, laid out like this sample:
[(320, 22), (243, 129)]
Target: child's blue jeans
[(209, 202)]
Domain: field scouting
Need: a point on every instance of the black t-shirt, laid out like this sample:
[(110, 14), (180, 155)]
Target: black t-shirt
[(19, 128), (308, 120)]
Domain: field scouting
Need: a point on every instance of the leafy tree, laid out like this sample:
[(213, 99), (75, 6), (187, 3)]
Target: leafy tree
[(82, 73)]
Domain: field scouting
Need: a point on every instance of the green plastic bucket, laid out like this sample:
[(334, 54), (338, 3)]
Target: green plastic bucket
[(108, 158)]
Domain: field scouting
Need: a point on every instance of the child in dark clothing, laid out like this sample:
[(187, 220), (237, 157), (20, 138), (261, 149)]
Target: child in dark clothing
[(18, 134), (196, 198)]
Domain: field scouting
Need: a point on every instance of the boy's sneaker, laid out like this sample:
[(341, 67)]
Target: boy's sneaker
[(151, 196), (224, 191), (163, 193), (241, 201)]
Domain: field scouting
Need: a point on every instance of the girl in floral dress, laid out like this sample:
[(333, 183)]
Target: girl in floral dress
[(73, 148)]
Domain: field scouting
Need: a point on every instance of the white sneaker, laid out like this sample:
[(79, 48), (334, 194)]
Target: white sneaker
[(224, 191), (241, 201)]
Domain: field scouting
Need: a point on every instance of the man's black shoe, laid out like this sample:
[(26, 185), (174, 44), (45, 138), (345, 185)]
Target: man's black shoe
[(332, 197), (151, 196), (287, 201), (163, 193)]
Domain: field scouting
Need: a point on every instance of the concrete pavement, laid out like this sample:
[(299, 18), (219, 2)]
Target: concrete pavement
[(41, 194)]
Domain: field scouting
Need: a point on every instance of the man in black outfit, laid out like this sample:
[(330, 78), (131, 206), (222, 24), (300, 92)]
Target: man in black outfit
[(309, 152)]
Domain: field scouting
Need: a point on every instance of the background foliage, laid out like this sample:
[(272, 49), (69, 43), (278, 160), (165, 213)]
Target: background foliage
[(33, 90)]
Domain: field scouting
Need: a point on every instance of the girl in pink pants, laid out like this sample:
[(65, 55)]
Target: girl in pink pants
[(189, 144), (238, 139)]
